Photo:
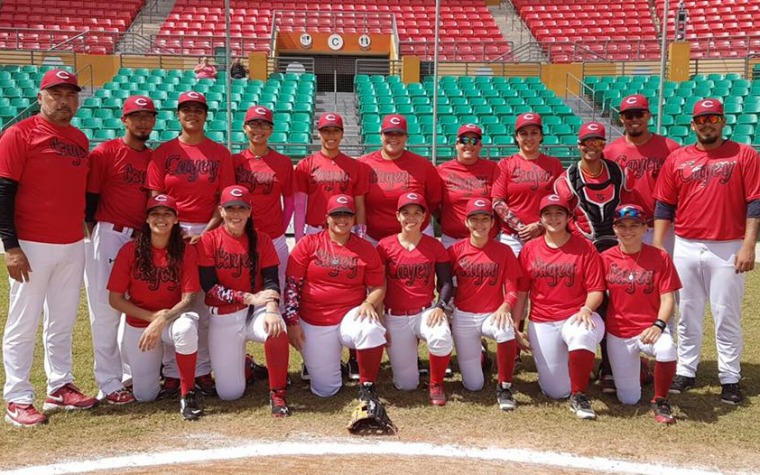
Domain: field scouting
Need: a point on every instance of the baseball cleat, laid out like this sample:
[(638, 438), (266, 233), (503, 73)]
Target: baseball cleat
[(437, 395), (681, 384), (662, 411), (449, 371), (120, 396), (169, 389), (505, 398), (68, 398), (731, 394), (24, 415), (305, 373), (278, 403), (190, 406), (581, 406), (367, 392), (353, 369), (206, 385)]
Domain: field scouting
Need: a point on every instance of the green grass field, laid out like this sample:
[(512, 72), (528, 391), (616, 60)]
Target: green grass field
[(708, 434)]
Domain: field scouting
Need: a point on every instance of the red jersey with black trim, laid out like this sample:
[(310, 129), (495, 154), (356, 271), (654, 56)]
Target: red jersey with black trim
[(269, 178), (50, 164), (194, 175), (643, 163), (410, 275), (389, 179), (157, 290), (321, 177), (635, 283), (460, 184), (336, 277), (229, 256), (485, 277), (522, 183), (559, 279), (117, 174), (710, 190)]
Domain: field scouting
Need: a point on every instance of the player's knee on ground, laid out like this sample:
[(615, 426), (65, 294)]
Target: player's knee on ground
[(628, 390), (555, 388), (472, 373), (185, 333)]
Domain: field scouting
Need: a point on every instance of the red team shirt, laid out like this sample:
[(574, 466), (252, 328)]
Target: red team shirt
[(194, 175), (635, 283), (410, 275), (268, 178), (117, 174), (388, 180), (559, 279), (522, 183), (50, 165), (485, 278), (461, 183), (228, 255), (720, 182), (158, 291), (336, 277), (321, 177), (643, 163)]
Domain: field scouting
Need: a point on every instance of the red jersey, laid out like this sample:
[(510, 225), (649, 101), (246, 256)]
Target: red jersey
[(158, 290), (635, 283), (644, 163), (722, 181), (117, 174), (192, 174), (410, 275), (50, 165), (335, 277), (559, 279), (522, 183), (321, 177), (485, 278), (388, 180), (229, 255), (461, 183), (268, 178)]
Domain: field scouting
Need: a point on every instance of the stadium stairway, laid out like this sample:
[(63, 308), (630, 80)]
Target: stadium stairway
[(344, 103), (583, 111), (145, 25), (514, 29)]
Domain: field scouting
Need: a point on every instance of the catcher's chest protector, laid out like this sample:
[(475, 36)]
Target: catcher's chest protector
[(598, 200)]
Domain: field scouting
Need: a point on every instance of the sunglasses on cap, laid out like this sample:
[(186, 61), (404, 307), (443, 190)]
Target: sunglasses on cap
[(628, 212), (708, 119), (469, 140), (628, 115), (593, 143)]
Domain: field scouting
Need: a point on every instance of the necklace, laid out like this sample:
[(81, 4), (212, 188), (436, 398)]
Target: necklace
[(593, 175), (335, 259), (631, 274)]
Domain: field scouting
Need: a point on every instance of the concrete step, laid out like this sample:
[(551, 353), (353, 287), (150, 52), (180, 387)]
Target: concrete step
[(510, 24), (147, 24)]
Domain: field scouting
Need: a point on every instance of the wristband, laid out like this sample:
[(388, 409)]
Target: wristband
[(441, 305), (660, 324)]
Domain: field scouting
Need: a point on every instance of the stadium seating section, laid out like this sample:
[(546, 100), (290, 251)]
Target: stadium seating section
[(19, 86), (34, 25)]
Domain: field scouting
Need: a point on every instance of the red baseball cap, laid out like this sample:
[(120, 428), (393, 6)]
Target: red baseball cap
[(553, 200), (341, 204), (592, 130), (393, 123), (137, 104), (630, 211), (56, 77), (478, 206), (708, 107), (162, 200), (529, 118), (235, 195), (470, 129), (330, 119), (634, 102), (259, 113), (192, 96), (411, 199)]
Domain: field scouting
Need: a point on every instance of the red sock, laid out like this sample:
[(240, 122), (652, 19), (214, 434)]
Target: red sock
[(505, 360), (278, 355), (438, 366), (581, 364), (664, 372), (369, 363), (186, 367)]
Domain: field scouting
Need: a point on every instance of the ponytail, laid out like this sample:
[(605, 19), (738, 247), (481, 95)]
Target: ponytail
[(253, 254)]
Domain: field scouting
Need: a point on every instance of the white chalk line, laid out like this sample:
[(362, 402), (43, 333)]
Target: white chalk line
[(348, 447)]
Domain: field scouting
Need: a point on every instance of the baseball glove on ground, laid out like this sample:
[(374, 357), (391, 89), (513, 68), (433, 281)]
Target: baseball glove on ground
[(370, 418)]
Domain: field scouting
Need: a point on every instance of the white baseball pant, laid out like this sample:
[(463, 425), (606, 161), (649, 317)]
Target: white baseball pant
[(624, 356), (227, 335), (551, 343), (180, 336), (53, 288), (106, 323), (467, 328), (706, 269), (405, 331), (323, 346), (514, 242), (281, 247)]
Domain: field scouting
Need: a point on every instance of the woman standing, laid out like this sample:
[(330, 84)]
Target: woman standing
[(154, 282)]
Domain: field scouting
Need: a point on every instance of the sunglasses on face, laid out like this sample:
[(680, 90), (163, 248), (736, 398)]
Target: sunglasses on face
[(708, 119), (598, 143), (469, 140), (628, 115), (629, 212)]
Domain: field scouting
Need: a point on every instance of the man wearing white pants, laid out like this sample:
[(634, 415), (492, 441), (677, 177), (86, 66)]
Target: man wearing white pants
[(712, 250), (43, 175)]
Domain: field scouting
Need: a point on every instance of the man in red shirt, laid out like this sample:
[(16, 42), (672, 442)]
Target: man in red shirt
[(43, 176)]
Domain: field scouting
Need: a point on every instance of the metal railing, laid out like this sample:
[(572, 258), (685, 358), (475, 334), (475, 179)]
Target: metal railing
[(180, 44), (472, 50), (82, 41), (358, 22)]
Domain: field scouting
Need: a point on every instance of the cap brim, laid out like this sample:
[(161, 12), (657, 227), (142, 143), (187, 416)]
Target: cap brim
[(161, 206), (191, 102), (236, 203), (480, 136), (563, 207), (392, 129), (522, 126), (259, 118), (341, 210), (594, 136), (412, 204), (634, 108), (480, 211), (124, 114), (62, 83), (707, 113), (337, 126)]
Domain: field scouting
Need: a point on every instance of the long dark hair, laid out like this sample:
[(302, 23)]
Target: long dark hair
[(253, 254), (144, 251)]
